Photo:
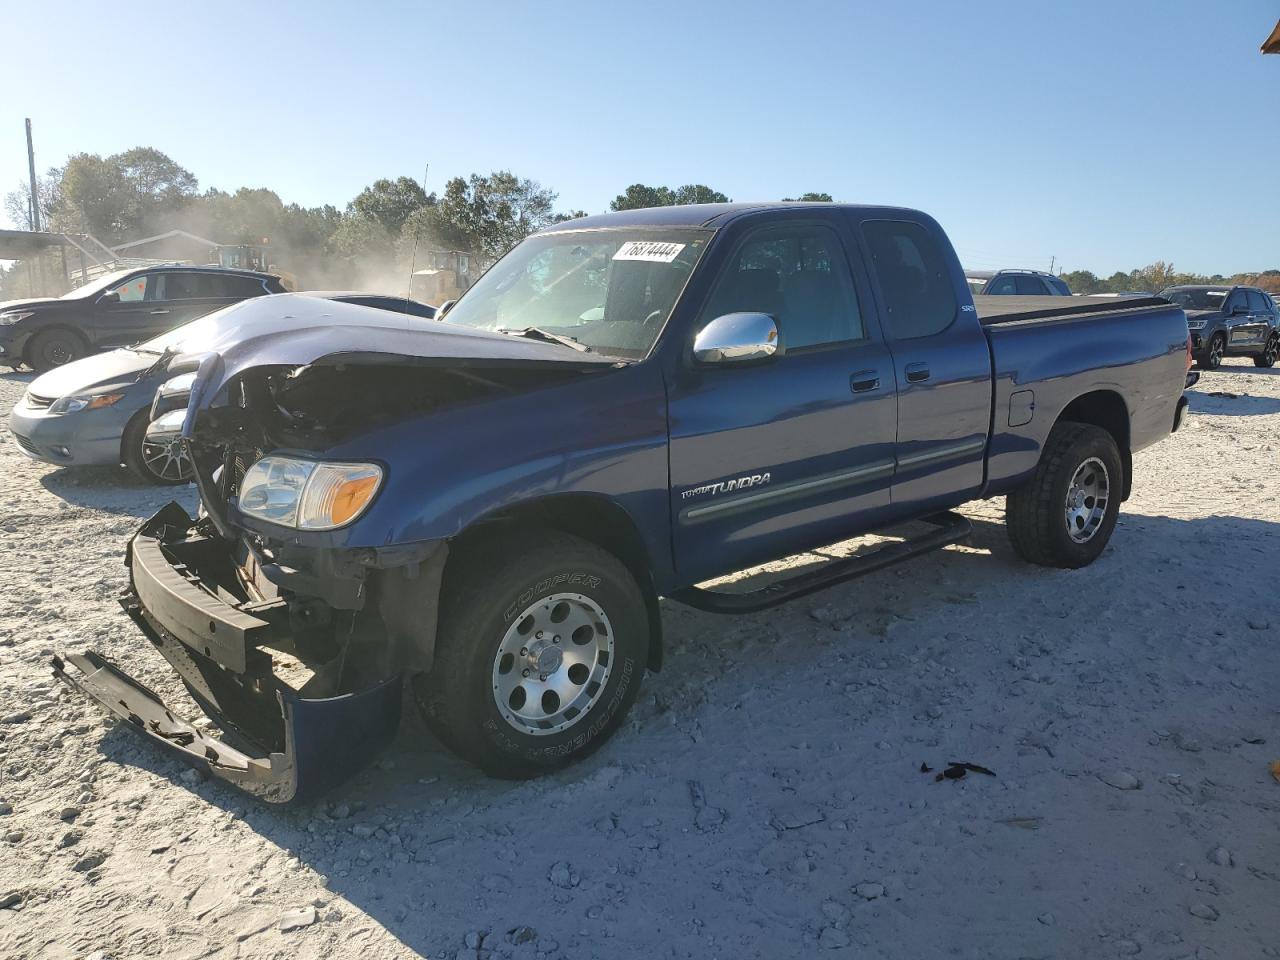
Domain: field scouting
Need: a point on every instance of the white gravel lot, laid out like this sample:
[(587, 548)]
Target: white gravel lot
[(764, 800)]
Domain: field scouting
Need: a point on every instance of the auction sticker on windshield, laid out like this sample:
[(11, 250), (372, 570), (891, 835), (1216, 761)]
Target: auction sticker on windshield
[(655, 251)]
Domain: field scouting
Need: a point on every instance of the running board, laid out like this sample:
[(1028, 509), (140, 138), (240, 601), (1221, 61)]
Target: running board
[(951, 528)]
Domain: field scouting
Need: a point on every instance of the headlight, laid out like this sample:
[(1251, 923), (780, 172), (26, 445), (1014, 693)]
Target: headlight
[(73, 404), (306, 494), (13, 316), (1195, 324)]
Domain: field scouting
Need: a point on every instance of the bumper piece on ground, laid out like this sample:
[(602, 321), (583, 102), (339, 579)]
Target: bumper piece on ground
[(276, 743), (325, 741)]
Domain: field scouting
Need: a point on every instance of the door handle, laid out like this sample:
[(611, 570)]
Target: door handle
[(917, 372), (156, 313), (863, 381)]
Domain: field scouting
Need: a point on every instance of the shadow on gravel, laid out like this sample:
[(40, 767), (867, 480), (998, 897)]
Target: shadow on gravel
[(1239, 405), (112, 490), (430, 848)]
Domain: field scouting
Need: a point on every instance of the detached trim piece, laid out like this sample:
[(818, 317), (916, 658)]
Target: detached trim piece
[(786, 491)]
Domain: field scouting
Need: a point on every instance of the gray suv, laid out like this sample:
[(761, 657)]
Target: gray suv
[(1229, 321)]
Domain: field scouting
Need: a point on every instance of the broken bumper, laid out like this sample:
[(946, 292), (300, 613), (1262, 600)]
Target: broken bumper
[(276, 743)]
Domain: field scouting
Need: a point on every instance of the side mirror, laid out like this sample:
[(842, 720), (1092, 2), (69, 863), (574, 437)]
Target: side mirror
[(1239, 309), (738, 338), (445, 308), (111, 296)]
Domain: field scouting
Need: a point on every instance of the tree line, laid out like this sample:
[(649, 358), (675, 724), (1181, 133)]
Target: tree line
[(1156, 276), (373, 240)]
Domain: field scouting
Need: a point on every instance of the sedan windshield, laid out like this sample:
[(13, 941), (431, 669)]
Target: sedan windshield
[(611, 291), (1195, 298)]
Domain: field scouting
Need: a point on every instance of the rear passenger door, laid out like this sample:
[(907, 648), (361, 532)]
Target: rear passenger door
[(941, 361), (771, 459), (1260, 320)]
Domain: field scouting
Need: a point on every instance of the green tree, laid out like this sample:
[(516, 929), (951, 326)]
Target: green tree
[(496, 212), (391, 202), (639, 195), (698, 193), (810, 198), (1081, 281)]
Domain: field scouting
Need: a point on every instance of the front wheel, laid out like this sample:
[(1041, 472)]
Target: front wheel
[(53, 348), (1065, 514), (1212, 358), (542, 643), (162, 462), (1268, 356)]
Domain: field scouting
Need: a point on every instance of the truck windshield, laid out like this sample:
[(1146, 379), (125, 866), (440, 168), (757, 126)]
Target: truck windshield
[(1191, 298), (609, 290)]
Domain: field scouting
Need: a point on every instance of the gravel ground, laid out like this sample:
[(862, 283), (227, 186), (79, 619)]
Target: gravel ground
[(764, 800)]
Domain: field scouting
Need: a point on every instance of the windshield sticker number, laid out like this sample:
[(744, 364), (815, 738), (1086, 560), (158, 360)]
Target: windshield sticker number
[(654, 251)]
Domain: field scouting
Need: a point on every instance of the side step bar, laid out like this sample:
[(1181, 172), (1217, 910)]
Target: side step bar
[(951, 528)]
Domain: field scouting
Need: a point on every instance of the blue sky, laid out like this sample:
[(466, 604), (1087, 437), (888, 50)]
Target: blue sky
[(1105, 135)]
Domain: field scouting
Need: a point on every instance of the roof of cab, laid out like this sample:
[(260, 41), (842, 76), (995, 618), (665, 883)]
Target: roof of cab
[(711, 216)]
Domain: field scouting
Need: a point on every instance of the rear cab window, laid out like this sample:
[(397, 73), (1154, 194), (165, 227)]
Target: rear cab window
[(912, 273)]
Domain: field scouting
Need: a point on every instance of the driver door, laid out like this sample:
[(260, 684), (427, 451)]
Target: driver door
[(129, 319), (771, 458)]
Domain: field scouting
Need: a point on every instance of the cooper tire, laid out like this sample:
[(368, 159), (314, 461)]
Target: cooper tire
[(53, 348), (147, 464), (490, 588), (1045, 524)]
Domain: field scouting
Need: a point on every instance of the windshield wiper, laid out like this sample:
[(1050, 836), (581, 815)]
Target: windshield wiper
[(537, 333), (161, 361)]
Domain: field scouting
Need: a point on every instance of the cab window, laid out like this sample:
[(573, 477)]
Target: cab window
[(919, 300), (799, 276)]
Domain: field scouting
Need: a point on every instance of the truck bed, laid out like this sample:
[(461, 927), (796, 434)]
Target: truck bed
[(1006, 309)]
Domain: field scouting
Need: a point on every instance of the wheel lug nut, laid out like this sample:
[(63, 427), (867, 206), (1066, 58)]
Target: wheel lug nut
[(524, 651), (555, 639), (538, 634), (524, 673), (543, 677)]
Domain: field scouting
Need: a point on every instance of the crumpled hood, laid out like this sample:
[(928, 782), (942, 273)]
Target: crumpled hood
[(294, 331), (89, 374)]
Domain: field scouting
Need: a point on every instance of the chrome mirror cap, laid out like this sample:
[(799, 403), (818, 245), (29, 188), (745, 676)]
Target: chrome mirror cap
[(738, 338)]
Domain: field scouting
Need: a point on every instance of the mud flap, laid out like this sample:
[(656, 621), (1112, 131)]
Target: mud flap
[(325, 741)]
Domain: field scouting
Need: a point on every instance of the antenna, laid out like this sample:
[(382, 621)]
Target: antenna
[(413, 261)]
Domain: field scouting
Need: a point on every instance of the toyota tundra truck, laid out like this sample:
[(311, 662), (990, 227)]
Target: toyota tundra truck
[(624, 408)]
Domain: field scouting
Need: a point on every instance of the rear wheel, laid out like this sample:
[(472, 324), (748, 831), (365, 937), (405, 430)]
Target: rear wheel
[(1268, 356), (163, 463), (1065, 514), (541, 647), (1217, 349), (53, 348)]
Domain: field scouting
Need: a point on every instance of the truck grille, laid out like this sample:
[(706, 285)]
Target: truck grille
[(35, 402)]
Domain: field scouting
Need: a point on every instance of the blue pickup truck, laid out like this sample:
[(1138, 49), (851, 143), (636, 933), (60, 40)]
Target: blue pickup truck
[(624, 408)]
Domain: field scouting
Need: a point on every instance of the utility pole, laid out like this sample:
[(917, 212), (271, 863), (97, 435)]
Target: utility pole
[(35, 194), (1052, 261)]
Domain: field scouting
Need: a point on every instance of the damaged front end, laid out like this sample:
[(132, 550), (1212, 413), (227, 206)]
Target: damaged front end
[(294, 641), (301, 702)]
